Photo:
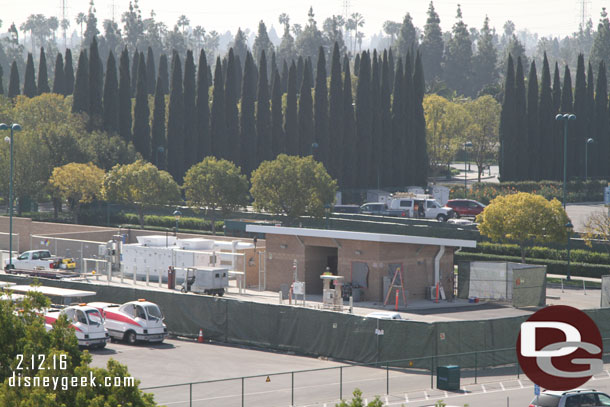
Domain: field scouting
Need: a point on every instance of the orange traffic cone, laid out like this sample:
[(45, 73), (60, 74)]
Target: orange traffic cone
[(200, 337)]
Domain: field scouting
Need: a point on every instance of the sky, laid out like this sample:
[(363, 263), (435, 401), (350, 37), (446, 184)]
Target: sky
[(545, 17)]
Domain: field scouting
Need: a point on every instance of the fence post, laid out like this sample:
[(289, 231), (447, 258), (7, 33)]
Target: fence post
[(340, 382), (431, 372), (475, 367), (191, 394), (242, 392), (292, 389), (387, 378)]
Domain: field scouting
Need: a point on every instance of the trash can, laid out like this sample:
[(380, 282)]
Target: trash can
[(171, 278), (448, 377)]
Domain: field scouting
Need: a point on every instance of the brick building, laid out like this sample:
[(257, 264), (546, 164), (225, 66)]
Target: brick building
[(369, 260)]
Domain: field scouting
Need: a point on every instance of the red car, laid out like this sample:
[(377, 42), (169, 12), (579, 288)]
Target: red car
[(465, 207)]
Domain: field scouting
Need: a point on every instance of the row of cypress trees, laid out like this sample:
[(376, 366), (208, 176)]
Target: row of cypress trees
[(374, 139), (532, 141)]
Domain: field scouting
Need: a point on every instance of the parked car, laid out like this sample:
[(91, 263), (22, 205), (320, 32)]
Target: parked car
[(87, 322), (384, 315), (466, 207), (39, 259), (571, 398), (418, 206), (373, 208), (346, 209)]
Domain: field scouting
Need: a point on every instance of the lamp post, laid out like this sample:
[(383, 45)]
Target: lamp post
[(14, 127), (569, 228), (177, 215), (466, 145), (161, 150), (589, 141), (565, 118), (314, 145)]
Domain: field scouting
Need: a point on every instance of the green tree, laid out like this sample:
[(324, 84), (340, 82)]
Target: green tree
[(321, 121), (557, 148), (141, 116), (29, 85), (218, 124), (305, 118), (567, 106), (290, 124), (601, 43), (293, 186), (376, 148), (357, 401), (111, 97), (134, 72), (240, 45), (77, 184), (458, 58), (576, 138), (507, 125), (215, 184), (485, 60), (151, 75), (546, 118), (43, 78), (124, 97), (80, 101), (59, 81), (262, 43), (68, 72), (525, 219), (407, 37), (13, 85), (407, 146), (386, 118), (286, 51), (533, 144), (310, 39), (263, 119), (247, 141), (91, 31), (164, 74), (140, 184), (159, 144), (348, 170), (521, 158), (204, 146), (335, 111), (601, 124), (230, 151), (483, 131), (364, 120), (432, 45), (95, 87), (191, 138), (278, 140), (175, 122)]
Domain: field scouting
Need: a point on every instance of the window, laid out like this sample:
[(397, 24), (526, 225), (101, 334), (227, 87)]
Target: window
[(405, 203), (129, 309), (35, 256), (80, 317), (140, 313), (154, 312), (547, 400), (94, 317), (604, 400), (431, 204), (24, 256)]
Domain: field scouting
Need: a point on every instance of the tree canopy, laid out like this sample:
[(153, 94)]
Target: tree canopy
[(77, 183)]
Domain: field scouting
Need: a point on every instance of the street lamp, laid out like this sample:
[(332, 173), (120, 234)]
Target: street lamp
[(569, 228), (14, 127), (565, 118), (589, 141), (314, 145), (160, 150), (466, 145), (177, 215)]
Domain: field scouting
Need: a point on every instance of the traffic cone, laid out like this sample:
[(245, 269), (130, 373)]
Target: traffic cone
[(200, 337)]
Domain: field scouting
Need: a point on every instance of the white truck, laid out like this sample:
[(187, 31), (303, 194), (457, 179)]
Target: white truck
[(87, 322), (39, 259), (418, 206), (133, 321)]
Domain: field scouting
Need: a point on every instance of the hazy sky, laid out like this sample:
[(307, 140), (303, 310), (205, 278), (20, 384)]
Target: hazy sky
[(546, 17)]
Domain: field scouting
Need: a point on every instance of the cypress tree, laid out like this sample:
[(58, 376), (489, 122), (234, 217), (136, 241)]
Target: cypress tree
[(203, 109), (231, 151), (278, 141), (408, 145), (43, 78), (1, 80), (322, 153), (247, 137), (309, 72), (124, 97), (592, 158), (557, 127), (159, 145), (190, 113), (284, 76), (432, 45), (364, 120), (175, 122), (386, 118), (59, 82), (602, 135), (533, 151), (263, 119), (421, 148), (217, 119), (13, 85), (164, 74), (141, 113), (95, 87), (238, 77), (376, 148), (290, 124), (80, 102), (29, 85), (305, 119), (111, 97), (151, 75), (507, 124), (576, 137), (392, 66), (134, 71), (348, 170), (398, 124), (521, 158), (335, 111), (357, 65), (566, 107), (300, 69), (546, 119), (68, 73)]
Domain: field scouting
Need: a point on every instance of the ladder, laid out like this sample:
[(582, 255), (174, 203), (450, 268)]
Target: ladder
[(393, 285)]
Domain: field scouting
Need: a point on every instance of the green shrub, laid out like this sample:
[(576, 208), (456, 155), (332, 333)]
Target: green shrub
[(538, 252)]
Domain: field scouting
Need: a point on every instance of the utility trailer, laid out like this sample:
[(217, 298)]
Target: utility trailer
[(206, 280)]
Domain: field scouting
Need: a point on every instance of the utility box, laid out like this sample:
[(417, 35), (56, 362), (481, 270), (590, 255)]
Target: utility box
[(448, 377)]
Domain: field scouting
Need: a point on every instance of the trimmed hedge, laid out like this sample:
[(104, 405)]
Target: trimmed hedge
[(190, 223), (538, 252)]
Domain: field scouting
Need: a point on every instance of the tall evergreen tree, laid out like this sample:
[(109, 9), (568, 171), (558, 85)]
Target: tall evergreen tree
[(392, 66), (95, 87), (357, 65), (158, 141), (322, 153), (335, 111), (546, 119), (350, 157), (284, 77), (262, 43), (68, 73), (29, 85), (231, 152), (485, 60), (600, 51), (591, 160), (218, 124), (432, 45), (305, 119), (398, 126), (408, 145), (80, 101), (300, 69), (557, 126), (507, 125), (407, 37), (376, 148), (124, 97), (151, 75), (1, 80), (13, 85), (164, 74), (421, 149), (567, 106), (190, 113), (386, 118), (59, 81), (278, 141), (521, 158), (238, 77), (134, 71), (247, 140), (309, 71), (602, 133), (291, 129), (141, 114), (533, 150), (576, 137), (204, 147), (175, 122), (43, 78), (458, 58), (240, 45), (364, 120), (111, 97), (263, 119)]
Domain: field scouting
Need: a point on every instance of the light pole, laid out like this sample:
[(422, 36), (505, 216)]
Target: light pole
[(314, 145), (589, 141), (569, 228), (565, 118), (466, 145), (161, 150), (177, 215), (14, 127)]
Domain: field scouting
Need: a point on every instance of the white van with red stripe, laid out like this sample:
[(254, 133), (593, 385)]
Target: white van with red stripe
[(87, 322), (133, 321)]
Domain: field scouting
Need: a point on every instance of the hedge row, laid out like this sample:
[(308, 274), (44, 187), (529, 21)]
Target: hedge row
[(553, 266), (167, 221), (537, 252)]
